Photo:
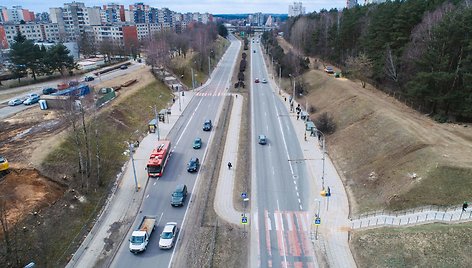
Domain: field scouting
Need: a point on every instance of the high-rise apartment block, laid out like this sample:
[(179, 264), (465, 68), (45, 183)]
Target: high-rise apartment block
[(296, 9)]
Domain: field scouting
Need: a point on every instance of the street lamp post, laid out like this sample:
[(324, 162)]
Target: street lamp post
[(157, 122), (323, 157), (131, 148), (293, 79)]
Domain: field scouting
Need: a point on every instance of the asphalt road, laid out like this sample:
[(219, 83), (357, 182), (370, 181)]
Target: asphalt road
[(204, 105), (280, 185), (7, 111)]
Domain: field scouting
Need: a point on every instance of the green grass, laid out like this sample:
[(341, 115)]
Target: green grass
[(124, 122), (445, 185), (432, 245)]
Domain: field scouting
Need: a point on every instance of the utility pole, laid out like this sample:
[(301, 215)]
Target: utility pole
[(131, 148), (157, 122), (193, 82), (209, 66)]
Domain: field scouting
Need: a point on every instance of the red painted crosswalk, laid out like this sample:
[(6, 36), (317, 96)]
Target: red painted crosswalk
[(287, 239)]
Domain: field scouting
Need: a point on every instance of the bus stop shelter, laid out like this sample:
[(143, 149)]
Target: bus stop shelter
[(152, 126)]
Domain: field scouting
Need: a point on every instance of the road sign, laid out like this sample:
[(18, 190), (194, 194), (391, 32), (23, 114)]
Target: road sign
[(317, 221), (244, 220), (243, 195)]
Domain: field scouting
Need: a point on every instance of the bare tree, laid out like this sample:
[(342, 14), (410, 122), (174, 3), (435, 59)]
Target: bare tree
[(390, 67), (360, 67)]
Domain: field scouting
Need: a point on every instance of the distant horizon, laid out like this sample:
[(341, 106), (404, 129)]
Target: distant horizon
[(183, 6)]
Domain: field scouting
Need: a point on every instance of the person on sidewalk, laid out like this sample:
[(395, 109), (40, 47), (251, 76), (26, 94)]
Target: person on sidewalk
[(464, 206), (229, 165)]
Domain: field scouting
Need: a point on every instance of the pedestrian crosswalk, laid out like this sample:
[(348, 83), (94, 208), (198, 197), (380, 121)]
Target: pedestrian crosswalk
[(213, 94), (284, 238)]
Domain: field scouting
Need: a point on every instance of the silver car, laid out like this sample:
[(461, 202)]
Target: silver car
[(15, 102), (168, 235)]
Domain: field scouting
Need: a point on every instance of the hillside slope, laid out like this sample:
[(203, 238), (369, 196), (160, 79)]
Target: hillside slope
[(381, 143)]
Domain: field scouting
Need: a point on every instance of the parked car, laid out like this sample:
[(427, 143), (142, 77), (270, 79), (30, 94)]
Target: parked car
[(89, 78), (73, 83), (264, 81), (49, 90), (193, 165), (207, 125), (31, 100), (256, 81), (15, 102), (262, 139), (168, 235), (197, 143), (124, 67), (179, 195)]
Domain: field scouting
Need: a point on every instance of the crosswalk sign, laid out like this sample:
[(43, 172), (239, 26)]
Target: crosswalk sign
[(244, 220), (317, 221)]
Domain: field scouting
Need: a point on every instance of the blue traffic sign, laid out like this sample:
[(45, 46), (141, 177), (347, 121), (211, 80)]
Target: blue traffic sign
[(318, 221), (244, 220), (243, 194)]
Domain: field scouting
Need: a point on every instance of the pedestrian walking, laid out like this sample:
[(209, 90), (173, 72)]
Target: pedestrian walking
[(229, 165), (464, 206), (298, 117)]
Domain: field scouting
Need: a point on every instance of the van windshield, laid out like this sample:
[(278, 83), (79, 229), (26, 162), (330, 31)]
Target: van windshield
[(137, 239), (177, 194)]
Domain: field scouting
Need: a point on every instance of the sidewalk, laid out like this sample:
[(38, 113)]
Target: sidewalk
[(123, 204), (223, 203)]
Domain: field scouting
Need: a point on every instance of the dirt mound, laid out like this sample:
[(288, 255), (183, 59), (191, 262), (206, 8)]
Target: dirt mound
[(25, 191), (389, 155)]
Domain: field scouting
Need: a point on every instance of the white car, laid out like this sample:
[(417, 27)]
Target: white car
[(168, 235), (15, 102)]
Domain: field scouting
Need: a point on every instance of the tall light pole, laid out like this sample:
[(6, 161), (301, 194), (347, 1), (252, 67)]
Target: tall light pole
[(293, 79), (157, 122), (209, 66), (131, 148), (323, 157), (193, 82)]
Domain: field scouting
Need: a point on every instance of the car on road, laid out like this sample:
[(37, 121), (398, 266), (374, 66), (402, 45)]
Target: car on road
[(193, 165), (15, 102), (256, 81), (31, 100), (168, 235), (124, 67), (329, 69), (179, 195), (197, 143), (89, 78), (207, 125), (49, 90), (73, 83), (264, 81), (254, 50), (262, 139)]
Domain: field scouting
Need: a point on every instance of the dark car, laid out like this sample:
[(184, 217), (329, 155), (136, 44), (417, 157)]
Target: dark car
[(73, 83), (197, 143), (193, 165), (256, 81), (124, 67), (49, 90), (207, 125), (89, 78), (179, 195)]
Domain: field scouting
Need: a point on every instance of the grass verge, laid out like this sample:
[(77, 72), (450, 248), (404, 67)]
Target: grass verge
[(432, 245)]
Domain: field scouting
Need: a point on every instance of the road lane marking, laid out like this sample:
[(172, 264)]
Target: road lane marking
[(283, 240)]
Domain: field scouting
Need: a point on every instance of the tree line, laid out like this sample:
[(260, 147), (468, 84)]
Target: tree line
[(418, 50), (38, 60)]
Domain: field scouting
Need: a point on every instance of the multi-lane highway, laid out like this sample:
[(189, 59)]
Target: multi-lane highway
[(280, 186), (204, 105)]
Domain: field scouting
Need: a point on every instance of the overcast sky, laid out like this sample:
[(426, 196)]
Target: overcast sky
[(210, 6)]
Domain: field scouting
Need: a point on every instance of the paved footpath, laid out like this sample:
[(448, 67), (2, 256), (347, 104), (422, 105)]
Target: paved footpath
[(121, 207), (224, 191)]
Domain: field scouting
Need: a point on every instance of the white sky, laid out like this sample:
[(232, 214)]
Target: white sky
[(210, 6)]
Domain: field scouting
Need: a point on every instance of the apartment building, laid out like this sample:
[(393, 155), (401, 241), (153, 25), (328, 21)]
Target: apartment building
[(39, 32), (74, 18)]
